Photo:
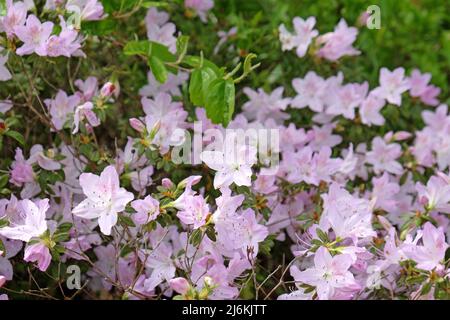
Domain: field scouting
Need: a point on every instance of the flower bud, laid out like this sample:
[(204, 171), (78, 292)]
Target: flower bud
[(137, 125), (107, 90)]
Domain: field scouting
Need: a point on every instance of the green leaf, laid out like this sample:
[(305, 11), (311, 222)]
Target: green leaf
[(158, 69), (16, 136), (126, 221), (156, 4), (137, 47), (65, 227), (99, 28), (3, 180), (198, 62), (211, 233), (196, 237), (219, 101), (322, 235), (182, 45), (200, 80)]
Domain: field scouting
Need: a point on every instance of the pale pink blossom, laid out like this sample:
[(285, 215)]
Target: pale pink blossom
[(392, 85), (105, 198)]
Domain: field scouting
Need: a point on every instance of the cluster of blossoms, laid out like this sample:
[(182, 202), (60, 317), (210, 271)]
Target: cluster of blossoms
[(356, 221)]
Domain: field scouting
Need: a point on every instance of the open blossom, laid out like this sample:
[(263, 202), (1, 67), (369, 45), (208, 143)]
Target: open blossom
[(347, 98), (370, 111), (105, 198), (432, 251), (201, 7), (16, 14), (329, 274), (383, 156), (241, 231), (159, 29), (165, 116), (436, 194), (262, 106), (67, 43), (33, 223), (195, 211), (338, 43), (34, 36), (21, 170), (233, 165), (85, 111), (146, 210), (38, 253), (310, 91), (348, 216), (61, 108), (392, 85), (89, 10), (303, 34)]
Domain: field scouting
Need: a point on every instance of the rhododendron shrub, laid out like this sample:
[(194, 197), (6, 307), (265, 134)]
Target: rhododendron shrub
[(223, 150)]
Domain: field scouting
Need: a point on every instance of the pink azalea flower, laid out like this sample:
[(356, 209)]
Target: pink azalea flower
[(146, 210), (161, 266), (37, 155), (392, 85), (21, 170), (88, 88), (38, 253), (61, 108), (348, 216), (432, 251), (262, 106), (241, 232), (418, 83), (310, 91), (338, 43), (347, 98), (167, 116), (370, 111), (233, 165), (329, 274), (195, 211), (16, 14), (383, 156), (429, 96), (304, 32), (179, 285), (85, 111), (384, 192), (105, 198), (33, 224), (201, 7), (34, 36), (436, 194), (89, 10), (67, 43)]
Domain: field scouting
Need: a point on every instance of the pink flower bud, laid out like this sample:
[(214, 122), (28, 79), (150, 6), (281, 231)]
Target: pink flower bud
[(2, 281), (167, 183), (402, 135), (179, 285), (107, 90), (137, 125)]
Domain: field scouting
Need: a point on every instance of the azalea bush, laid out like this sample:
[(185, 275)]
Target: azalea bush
[(206, 149)]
